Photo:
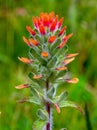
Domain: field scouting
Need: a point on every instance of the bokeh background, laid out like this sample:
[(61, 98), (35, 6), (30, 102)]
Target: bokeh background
[(81, 19)]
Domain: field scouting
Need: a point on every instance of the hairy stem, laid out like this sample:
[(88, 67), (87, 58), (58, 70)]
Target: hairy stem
[(48, 108)]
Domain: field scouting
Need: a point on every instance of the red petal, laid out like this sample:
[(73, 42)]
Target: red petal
[(45, 54), (39, 22), (26, 41), (51, 39), (30, 30), (34, 42), (53, 25), (62, 31), (46, 20), (65, 38), (51, 17), (42, 30), (62, 44), (35, 21), (60, 22)]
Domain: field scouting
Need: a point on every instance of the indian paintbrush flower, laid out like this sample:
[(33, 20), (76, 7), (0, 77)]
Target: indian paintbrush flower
[(48, 58)]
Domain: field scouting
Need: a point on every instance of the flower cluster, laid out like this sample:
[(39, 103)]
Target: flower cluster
[(48, 59)]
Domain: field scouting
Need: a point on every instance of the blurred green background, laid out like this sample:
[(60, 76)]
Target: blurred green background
[(81, 19)]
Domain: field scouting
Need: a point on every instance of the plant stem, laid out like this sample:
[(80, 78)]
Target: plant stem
[(87, 117), (48, 108)]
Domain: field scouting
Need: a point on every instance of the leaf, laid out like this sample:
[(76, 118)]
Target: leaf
[(51, 92), (36, 56), (70, 104), (61, 74), (34, 100), (34, 92), (61, 97), (54, 46), (42, 114), (37, 97), (63, 129), (52, 63), (39, 82), (39, 125)]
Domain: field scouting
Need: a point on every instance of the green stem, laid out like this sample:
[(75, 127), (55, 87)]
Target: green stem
[(87, 117)]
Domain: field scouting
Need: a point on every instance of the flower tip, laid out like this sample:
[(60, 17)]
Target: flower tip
[(34, 42), (67, 61), (73, 80), (45, 54), (26, 40), (42, 30), (37, 76), (57, 108), (61, 68), (71, 55), (25, 60), (30, 30), (22, 86), (51, 39)]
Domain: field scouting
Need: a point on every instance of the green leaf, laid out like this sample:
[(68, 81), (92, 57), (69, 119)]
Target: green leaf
[(52, 63), (39, 125), (63, 129), (51, 92), (62, 97), (34, 54), (54, 46), (70, 104), (61, 74), (42, 114), (34, 92), (37, 97), (39, 82), (34, 100)]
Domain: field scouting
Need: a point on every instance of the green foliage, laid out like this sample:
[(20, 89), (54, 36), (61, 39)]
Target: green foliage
[(39, 125)]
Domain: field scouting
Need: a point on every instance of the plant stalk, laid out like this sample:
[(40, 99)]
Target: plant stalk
[(87, 117), (48, 108)]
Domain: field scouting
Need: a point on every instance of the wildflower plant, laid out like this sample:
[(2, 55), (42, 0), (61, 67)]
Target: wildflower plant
[(49, 59)]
